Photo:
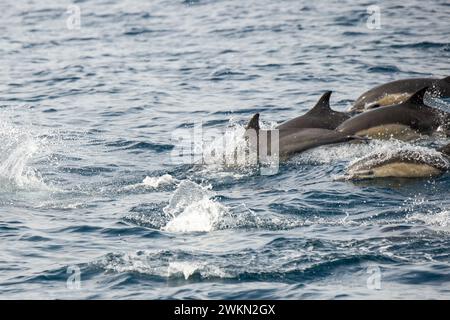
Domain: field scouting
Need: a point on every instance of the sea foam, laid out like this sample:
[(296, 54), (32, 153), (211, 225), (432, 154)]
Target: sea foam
[(19, 146), (193, 209)]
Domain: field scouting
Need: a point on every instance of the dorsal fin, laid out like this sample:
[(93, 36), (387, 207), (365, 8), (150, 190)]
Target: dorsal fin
[(323, 105), (417, 97), (253, 123)]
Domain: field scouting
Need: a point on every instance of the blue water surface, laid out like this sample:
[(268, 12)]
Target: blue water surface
[(93, 206)]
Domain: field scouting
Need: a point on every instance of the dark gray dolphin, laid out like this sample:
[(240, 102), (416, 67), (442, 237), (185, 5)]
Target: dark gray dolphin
[(297, 141), (292, 140), (404, 121), (396, 92), (320, 116), (419, 163)]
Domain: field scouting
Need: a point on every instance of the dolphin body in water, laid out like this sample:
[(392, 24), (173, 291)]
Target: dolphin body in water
[(401, 164), (405, 121), (292, 141), (399, 91), (311, 130)]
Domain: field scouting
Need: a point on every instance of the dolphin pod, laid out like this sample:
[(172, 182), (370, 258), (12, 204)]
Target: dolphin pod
[(314, 129), (292, 141), (406, 118)]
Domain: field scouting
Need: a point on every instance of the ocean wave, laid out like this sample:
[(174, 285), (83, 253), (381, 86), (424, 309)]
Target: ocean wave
[(140, 146), (423, 45), (308, 261)]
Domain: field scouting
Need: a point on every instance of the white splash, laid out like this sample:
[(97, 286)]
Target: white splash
[(229, 148), (152, 263), (156, 182), (394, 147), (345, 151), (18, 147), (188, 269), (439, 219), (201, 216), (153, 183), (185, 268), (193, 210), (223, 149)]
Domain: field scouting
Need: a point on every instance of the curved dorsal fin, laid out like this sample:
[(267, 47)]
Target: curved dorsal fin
[(323, 105), (417, 97), (253, 123)]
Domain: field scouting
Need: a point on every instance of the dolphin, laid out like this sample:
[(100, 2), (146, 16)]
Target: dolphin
[(297, 141), (405, 121), (416, 163), (320, 116), (396, 92), (293, 140)]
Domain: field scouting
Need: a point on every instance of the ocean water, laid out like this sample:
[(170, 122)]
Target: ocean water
[(96, 204)]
